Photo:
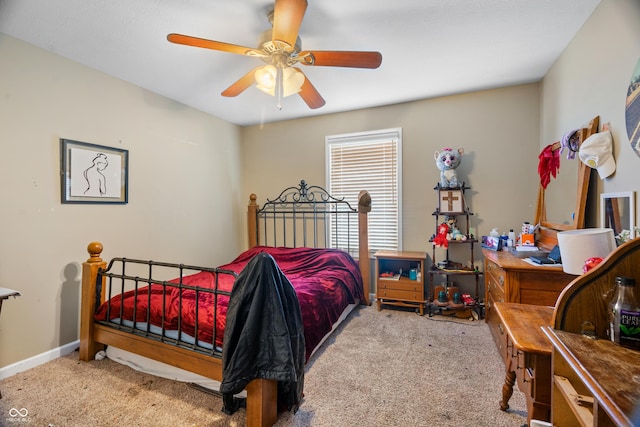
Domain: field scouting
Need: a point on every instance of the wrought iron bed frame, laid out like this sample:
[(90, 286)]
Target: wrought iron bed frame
[(291, 212)]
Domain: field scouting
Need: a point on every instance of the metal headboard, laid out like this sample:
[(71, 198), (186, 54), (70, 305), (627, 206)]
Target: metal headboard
[(305, 216)]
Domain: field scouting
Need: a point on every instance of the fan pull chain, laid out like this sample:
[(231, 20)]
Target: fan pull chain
[(279, 86)]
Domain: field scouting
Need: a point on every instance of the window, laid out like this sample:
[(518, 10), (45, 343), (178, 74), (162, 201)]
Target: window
[(369, 161)]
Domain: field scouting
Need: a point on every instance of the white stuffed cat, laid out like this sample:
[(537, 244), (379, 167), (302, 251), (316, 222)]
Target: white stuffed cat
[(447, 161)]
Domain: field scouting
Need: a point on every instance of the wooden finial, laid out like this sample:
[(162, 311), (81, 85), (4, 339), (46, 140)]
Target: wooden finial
[(94, 249), (364, 201), (252, 199)]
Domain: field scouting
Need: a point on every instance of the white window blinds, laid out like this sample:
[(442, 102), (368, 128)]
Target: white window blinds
[(369, 161)]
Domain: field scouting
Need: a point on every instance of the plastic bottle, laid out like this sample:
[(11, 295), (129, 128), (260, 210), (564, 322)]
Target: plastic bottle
[(624, 314), (512, 238)]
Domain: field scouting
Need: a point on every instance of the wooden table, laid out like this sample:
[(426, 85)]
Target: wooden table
[(5, 294), (526, 351)]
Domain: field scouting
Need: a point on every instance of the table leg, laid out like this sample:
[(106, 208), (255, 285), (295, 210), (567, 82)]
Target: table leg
[(507, 389)]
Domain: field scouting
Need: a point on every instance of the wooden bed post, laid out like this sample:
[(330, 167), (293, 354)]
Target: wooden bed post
[(364, 207), (262, 407), (88, 346), (252, 223)]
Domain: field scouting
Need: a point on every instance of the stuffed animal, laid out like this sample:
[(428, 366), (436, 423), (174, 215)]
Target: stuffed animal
[(440, 239), (457, 235), (447, 161)]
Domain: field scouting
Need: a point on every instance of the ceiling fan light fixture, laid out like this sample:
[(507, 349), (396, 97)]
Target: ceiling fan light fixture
[(267, 80)]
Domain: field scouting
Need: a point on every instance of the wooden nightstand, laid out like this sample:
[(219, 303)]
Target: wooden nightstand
[(395, 284)]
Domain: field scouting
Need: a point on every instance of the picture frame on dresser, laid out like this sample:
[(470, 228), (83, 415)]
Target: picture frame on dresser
[(91, 173), (618, 212)]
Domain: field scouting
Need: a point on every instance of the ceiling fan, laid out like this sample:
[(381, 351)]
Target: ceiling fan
[(280, 48)]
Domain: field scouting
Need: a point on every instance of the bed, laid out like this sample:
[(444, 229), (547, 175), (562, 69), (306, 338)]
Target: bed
[(176, 313)]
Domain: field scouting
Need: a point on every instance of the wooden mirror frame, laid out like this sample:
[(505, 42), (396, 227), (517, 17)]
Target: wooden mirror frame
[(547, 233)]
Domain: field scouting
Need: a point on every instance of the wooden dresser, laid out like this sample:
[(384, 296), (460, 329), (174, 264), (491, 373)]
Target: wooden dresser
[(511, 279)]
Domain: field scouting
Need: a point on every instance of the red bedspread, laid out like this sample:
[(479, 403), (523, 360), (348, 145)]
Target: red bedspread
[(325, 281)]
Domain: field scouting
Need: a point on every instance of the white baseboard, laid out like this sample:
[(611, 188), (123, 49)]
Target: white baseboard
[(40, 359)]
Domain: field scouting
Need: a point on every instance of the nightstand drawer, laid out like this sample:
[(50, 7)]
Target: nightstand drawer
[(401, 285), (401, 295)]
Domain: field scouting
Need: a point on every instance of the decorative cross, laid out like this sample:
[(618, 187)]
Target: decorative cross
[(450, 198)]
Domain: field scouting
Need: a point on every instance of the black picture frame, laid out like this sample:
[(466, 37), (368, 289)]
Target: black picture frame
[(93, 174)]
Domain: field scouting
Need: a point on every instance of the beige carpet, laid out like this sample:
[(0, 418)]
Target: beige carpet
[(387, 368)]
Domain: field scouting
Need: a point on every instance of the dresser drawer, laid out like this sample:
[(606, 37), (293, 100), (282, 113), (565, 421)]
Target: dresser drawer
[(495, 290), (499, 335), (401, 294), (495, 274)]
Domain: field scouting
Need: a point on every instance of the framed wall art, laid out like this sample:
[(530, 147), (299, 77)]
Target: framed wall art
[(92, 173), (450, 201)]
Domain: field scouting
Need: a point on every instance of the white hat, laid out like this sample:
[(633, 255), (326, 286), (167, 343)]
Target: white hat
[(596, 152)]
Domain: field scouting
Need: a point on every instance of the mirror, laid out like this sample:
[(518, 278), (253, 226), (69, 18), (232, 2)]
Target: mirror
[(617, 211), (571, 216)]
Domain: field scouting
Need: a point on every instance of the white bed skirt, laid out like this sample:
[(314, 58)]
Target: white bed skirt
[(159, 369)]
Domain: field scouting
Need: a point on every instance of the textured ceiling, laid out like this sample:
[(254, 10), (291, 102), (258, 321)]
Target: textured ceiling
[(430, 48)]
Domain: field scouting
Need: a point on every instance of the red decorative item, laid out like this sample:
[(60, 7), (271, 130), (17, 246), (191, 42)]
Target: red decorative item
[(590, 263), (440, 240), (467, 299), (549, 164)]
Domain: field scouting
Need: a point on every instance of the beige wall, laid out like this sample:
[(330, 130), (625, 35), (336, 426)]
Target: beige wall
[(591, 79), (498, 130), (185, 195)]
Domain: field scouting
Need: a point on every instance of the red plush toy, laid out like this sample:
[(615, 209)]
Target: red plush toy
[(590, 263), (440, 239)]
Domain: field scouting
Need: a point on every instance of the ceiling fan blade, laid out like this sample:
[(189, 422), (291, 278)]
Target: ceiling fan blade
[(212, 44), (287, 18), (310, 94), (336, 58), (241, 84)]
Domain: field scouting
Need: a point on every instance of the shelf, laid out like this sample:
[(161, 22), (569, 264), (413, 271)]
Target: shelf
[(453, 271), (457, 241), (452, 205)]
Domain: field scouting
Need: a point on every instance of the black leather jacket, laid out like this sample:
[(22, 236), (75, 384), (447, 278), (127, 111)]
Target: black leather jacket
[(263, 308)]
